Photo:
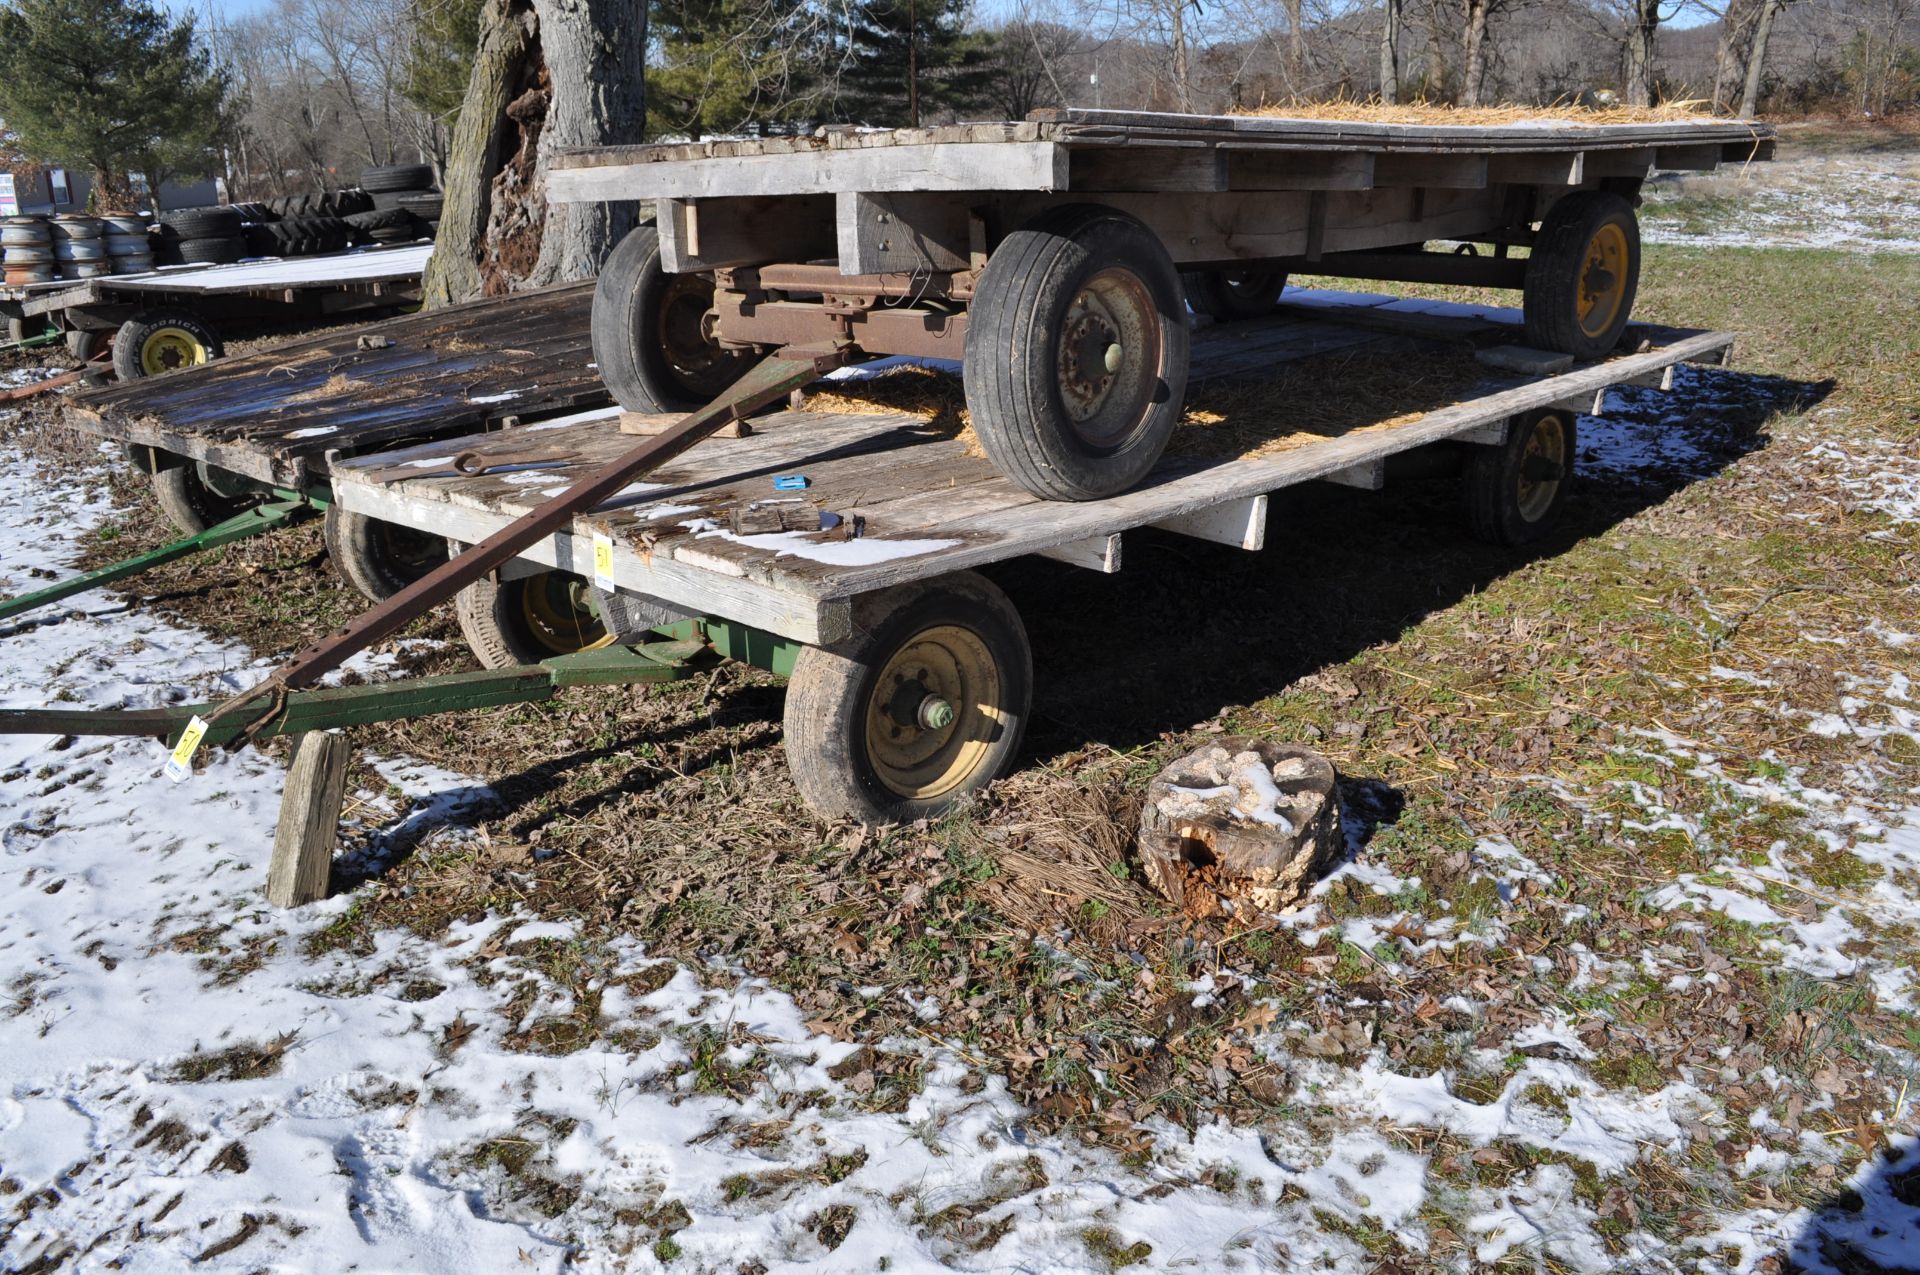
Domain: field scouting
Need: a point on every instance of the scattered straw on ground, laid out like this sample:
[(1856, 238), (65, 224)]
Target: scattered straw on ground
[(1431, 113)]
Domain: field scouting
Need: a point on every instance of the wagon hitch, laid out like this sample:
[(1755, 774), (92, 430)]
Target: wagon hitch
[(792, 368)]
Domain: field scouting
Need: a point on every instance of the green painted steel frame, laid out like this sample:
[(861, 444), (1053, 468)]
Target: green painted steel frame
[(339, 706), (288, 509)]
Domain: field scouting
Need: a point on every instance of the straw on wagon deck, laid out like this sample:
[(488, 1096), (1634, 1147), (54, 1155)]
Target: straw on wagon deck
[(1374, 112), (1292, 405)]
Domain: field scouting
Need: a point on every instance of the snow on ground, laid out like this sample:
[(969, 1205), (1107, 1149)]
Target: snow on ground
[(189, 1079), (1866, 202)]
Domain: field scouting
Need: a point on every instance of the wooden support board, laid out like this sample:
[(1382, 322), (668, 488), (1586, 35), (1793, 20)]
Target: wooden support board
[(274, 415), (1102, 151), (930, 507)]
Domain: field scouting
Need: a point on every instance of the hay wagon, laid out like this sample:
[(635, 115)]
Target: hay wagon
[(179, 316), (909, 672), (1056, 256)]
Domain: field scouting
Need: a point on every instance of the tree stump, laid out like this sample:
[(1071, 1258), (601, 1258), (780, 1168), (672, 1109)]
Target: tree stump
[(1241, 821)]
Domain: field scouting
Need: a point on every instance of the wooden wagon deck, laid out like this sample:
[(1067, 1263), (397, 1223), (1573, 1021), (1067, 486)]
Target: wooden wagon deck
[(1102, 150), (273, 415), (929, 505), (367, 269)]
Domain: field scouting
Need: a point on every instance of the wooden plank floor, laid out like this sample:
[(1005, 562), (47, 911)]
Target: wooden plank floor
[(275, 413), (929, 505)]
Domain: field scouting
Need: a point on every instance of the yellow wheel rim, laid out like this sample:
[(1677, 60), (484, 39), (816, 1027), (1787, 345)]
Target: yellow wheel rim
[(1543, 466), (933, 715), (168, 349), (558, 613), (1603, 279)]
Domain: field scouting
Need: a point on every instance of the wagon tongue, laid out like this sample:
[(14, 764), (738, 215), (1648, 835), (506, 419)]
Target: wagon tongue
[(794, 367)]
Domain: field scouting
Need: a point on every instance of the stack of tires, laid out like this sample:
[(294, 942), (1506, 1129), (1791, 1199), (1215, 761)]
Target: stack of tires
[(79, 250), (202, 236), (26, 250), (129, 248), (298, 236), (406, 207)]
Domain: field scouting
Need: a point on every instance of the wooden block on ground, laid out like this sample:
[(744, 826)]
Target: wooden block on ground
[(648, 424), (309, 820), (1523, 359)]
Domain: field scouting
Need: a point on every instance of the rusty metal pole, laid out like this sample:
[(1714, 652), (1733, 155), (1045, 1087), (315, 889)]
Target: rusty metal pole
[(792, 368)]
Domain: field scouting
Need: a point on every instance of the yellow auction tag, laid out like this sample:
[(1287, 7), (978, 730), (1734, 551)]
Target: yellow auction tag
[(603, 560), (180, 765)]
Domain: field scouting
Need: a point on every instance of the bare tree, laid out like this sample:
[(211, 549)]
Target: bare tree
[(1390, 51), (1642, 21)]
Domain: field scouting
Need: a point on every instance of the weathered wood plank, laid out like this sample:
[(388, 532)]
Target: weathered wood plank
[(309, 824), (948, 166)]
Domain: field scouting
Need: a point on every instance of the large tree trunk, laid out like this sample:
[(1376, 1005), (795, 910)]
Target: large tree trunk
[(1757, 58), (548, 74), (1475, 51), (1390, 53), (1296, 48), (1646, 20), (1734, 34)]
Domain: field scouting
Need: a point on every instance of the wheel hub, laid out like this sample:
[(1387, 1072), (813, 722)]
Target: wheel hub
[(1602, 279), (933, 713), (1090, 356), (1542, 466)]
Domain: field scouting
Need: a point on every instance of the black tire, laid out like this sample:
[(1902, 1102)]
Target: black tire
[(523, 621), (1027, 352), (426, 206), (382, 178), (1230, 295), (1583, 274), (189, 503), (858, 739), (379, 558), (163, 340), (400, 233), (203, 223), (384, 200), (212, 252), (308, 235), (364, 224), (348, 203), (648, 333), (1515, 490), (84, 343)]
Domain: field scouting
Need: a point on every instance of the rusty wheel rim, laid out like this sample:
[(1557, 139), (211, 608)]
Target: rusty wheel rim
[(935, 709), (685, 336), (1108, 358)]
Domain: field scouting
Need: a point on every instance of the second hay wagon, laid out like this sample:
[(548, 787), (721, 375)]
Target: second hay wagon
[(1056, 256)]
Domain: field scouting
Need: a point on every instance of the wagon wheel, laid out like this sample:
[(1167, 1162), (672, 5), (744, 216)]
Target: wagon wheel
[(191, 495), (1582, 275), (1515, 489), (529, 619), (1076, 361), (1228, 295), (164, 340), (379, 558), (653, 332), (924, 704)]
